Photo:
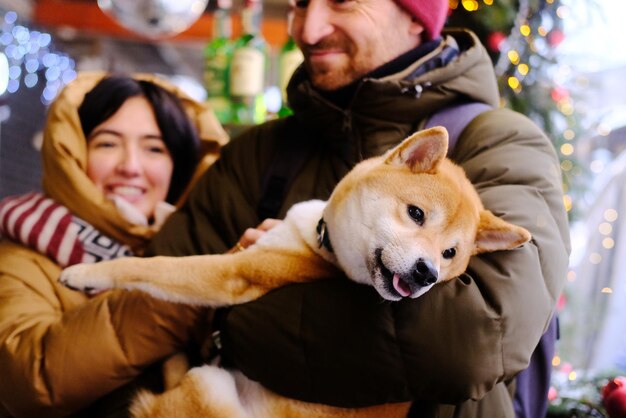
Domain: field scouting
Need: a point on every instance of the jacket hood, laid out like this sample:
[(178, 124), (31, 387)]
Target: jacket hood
[(384, 110), (64, 154)]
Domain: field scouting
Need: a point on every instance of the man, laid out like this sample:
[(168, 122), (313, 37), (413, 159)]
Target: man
[(374, 72)]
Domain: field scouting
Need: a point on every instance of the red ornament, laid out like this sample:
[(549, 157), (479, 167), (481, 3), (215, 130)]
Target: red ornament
[(561, 302), (616, 403), (552, 393), (559, 93), (615, 383), (555, 38), (495, 41)]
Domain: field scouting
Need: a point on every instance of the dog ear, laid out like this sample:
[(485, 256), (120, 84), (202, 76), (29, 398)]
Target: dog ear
[(495, 234), (422, 151)]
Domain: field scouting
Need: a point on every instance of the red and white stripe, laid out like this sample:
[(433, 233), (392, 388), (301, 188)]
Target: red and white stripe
[(42, 224)]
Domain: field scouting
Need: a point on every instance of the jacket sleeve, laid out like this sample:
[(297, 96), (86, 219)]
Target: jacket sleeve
[(56, 361), (222, 204), (334, 341)]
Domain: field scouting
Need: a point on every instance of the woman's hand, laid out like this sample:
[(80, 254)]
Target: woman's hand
[(251, 235)]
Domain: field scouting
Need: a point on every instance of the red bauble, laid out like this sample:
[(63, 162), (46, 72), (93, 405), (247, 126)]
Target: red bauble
[(559, 93), (495, 40), (555, 38), (615, 383), (616, 403)]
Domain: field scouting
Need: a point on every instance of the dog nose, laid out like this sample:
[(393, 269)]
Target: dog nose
[(424, 273)]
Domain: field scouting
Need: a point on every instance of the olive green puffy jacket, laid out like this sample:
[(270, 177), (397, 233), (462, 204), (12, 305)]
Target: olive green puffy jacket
[(337, 342)]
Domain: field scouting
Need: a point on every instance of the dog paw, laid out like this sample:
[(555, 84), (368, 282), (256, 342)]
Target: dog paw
[(83, 278)]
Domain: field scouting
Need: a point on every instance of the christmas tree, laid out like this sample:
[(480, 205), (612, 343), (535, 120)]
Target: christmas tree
[(522, 37)]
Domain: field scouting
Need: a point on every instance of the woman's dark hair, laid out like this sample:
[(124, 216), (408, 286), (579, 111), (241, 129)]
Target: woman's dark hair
[(179, 134)]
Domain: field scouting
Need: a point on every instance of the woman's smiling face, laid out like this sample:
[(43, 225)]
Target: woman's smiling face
[(127, 158)]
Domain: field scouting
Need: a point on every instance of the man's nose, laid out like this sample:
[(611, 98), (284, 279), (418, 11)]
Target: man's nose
[(316, 23)]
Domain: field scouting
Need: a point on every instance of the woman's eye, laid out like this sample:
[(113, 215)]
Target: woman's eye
[(102, 143), (416, 214), (156, 150), (449, 253), (155, 146), (302, 4)]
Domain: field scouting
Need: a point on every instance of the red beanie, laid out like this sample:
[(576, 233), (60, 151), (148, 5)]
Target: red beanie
[(431, 14)]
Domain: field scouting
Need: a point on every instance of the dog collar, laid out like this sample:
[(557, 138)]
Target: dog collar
[(323, 240)]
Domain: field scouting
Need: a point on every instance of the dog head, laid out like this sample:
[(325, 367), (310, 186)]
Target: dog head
[(410, 218)]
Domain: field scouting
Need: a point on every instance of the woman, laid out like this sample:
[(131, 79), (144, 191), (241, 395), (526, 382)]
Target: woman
[(115, 160)]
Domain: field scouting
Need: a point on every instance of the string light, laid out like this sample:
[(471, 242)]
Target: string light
[(515, 84), (525, 30), (605, 228), (595, 258), (470, 5), (523, 69), (567, 165), (567, 202), (608, 243), (567, 149), (569, 134), (610, 215), (596, 166), (32, 59), (513, 57)]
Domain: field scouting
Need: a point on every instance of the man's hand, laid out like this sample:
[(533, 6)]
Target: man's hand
[(251, 235)]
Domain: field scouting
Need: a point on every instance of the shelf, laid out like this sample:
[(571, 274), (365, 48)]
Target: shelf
[(88, 18)]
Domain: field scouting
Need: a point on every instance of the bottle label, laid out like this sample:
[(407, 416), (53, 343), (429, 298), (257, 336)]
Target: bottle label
[(247, 72), (289, 61), (216, 75)]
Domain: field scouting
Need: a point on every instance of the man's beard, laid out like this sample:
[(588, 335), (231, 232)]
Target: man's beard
[(330, 77)]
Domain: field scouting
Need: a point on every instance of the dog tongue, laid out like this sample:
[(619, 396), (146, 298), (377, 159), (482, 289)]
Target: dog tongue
[(401, 287)]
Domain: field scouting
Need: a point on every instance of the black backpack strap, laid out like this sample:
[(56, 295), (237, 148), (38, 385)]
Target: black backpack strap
[(290, 157)]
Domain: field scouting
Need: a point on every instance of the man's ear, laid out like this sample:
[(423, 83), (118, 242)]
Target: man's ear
[(416, 28)]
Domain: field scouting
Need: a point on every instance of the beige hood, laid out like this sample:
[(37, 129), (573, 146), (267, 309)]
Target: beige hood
[(64, 155)]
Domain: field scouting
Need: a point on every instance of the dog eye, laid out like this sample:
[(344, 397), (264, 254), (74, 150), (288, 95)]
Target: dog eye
[(449, 253), (416, 214)]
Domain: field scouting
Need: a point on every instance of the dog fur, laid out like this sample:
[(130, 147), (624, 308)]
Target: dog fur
[(401, 223)]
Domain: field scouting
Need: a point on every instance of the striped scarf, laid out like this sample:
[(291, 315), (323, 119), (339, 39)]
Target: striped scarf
[(42, 224)]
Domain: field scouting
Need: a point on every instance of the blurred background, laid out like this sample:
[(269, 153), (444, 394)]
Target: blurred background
[(560, 62)]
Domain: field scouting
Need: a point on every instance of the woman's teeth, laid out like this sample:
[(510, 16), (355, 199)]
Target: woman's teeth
[(127, 191)]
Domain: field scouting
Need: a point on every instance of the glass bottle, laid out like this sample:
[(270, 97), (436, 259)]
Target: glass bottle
[(217, 57), (248, 68), (289, 59)]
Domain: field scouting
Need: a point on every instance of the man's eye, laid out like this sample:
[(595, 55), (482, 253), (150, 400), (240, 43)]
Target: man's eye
[(302, 4)]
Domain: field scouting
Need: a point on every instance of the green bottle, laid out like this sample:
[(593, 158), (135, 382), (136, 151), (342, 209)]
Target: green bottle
[(289, 59), (248, 68), (217, 57)]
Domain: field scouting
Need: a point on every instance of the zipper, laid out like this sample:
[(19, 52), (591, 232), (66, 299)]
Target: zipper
[(416, 90), (346, 127)]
